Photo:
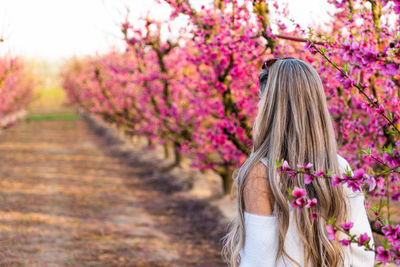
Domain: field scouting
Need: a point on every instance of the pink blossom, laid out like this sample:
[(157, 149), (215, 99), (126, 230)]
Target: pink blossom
[(395, 196), (347, 225), (348, 83), (299, 202), (309, 46), (369, 56), (298, 192), (371, 182), (381, 183), (363, 238), (299, 198), (308, 178), (284, 166), (313, 216), (355, 186), (344, 242), (291, 173), (392, 233), (331, 232), (383, 255), (358, 174), (311, 203), (336, 180), (305, 167)]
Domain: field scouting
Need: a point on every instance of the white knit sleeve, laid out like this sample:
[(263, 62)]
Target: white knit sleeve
[(358, 215), (261, 242)]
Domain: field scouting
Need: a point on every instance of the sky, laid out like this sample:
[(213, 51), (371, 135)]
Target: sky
[(54, 30)]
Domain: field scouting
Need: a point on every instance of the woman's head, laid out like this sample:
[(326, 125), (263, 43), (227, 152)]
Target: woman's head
[(293, 103), (293, 123)]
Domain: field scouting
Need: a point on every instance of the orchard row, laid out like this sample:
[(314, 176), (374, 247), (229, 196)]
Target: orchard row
[(16, 89), (199, 91)]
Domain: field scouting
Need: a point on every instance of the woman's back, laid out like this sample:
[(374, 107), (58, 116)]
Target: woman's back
[(293, 124), (261, 235)]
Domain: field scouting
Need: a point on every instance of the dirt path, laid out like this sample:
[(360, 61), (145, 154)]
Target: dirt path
[(68, 199)]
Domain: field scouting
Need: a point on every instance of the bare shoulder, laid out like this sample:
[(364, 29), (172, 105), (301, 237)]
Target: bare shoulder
[(257, 194)]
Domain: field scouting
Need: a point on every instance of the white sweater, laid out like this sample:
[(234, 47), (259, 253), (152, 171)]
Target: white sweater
[(261, 236)]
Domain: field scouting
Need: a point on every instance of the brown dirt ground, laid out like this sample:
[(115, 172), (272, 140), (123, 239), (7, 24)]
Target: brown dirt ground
[(69, 198)]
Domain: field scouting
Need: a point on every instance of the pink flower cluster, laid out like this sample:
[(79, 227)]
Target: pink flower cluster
[(16, 86)]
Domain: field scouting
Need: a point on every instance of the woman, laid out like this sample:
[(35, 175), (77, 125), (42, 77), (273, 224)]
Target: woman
[(293, 123)]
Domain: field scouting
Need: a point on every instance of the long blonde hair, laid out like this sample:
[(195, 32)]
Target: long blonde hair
[(293, 123)]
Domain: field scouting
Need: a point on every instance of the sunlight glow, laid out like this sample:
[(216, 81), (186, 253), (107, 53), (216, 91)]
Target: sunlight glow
[(58, 29)]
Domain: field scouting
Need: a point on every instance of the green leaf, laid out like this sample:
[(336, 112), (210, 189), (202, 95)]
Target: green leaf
[(374, 209), (278, 163), (348, 171), (386, 221), (390, 116), (345, 68), (367, 151), (289, 190), (331, 220), (385, 243), (389, 149), (392, 131)]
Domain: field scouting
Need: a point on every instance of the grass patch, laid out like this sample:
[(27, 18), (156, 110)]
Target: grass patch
[(49, 117)]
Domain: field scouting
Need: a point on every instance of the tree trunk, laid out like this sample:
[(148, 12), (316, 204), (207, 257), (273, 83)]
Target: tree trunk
[(149, 142), (178, 155), (227, 180), (166, 150)]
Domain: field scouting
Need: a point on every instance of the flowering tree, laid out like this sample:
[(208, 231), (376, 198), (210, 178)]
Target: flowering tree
[(16, 87), (162, 68), (226, 47)]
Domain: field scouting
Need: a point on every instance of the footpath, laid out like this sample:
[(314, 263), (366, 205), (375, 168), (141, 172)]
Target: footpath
[(71, 197)]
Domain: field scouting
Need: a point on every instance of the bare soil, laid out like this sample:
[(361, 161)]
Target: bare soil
[(70, 197)]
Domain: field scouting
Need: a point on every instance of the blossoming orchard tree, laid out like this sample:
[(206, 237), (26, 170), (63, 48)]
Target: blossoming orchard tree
[(361, 65), (16, 89), (199, 92), (160, 72), (200, 96)]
